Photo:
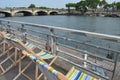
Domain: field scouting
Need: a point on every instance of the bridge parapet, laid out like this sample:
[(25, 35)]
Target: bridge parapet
[(30, 11)]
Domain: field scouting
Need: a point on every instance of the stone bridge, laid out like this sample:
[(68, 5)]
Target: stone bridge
[(31, 12)]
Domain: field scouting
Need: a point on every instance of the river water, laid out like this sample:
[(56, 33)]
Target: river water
[(104, 25), (88, 23)]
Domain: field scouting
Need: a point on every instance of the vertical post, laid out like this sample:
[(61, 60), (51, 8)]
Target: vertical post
[(115, 65), (47, 37), (4, 46), (20, 65), (15, 57), (8, 46), (22, 27), (56, 44), (23, 32), (0, 25), (85, 58), (36, 72), (9, 31), (52, 41)]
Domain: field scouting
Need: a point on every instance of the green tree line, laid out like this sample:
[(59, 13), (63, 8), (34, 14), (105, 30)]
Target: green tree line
[(34, 6), (83, 5)]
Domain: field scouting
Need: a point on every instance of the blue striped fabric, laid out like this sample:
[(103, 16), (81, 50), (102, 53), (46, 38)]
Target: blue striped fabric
[(8, 35), (45, 55), (29, 45), (74, 75), (26, 43), (78, 75), (42, 64), (14, 39), (88, 78), (42, 54), (85, 77)]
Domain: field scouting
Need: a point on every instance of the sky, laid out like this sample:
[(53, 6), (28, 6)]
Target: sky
[(46, 3)]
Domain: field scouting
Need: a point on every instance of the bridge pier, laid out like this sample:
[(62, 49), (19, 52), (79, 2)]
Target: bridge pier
[(33, 14), (12, 14)]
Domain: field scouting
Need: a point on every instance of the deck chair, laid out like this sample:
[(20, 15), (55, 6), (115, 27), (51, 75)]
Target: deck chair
[(75, 74), (53, 74), (8, 55), (30, 47), (43, 54)]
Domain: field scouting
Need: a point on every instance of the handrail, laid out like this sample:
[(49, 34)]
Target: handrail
[(99, 47), (91, 54), (85, 33), (76, 41), (83, 60), (54, 37), (106, 78)]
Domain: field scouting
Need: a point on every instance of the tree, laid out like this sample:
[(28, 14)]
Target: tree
[(69, 5), (81, 6), (92, 3), (102, 3), (107, 6), (32, 6), (118, 5), (42, 7)]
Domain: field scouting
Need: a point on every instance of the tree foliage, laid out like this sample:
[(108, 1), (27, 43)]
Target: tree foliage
[(84, 5), (81, 6), (118, 5), (92, 3), (69, 5), (32, 6), (42, 7)]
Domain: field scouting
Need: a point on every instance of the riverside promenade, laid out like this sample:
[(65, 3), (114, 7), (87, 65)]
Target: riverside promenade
[(72, 48)]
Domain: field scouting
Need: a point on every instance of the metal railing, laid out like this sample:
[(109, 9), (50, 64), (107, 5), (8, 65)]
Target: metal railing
[(83, 46)]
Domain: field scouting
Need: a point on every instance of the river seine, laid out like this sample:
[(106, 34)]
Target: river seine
[(104, 25)]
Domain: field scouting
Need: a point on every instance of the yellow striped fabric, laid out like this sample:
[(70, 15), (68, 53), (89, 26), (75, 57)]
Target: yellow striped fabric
[(38, 61), (75, 74), (81, 76), (51, 69), (70, 74)]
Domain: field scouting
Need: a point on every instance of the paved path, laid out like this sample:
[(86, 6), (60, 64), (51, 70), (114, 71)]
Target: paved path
[(2, 78)]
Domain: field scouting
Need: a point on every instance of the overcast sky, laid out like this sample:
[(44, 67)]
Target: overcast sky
[(47, 3)]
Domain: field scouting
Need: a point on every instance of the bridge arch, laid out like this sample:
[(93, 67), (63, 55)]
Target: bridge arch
[(5, 14), (53, 13), (24, 13), (41, 13)]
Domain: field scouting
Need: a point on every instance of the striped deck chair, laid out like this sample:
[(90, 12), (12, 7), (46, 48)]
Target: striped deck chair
[(49, 72), (42, 54), (52, 74), (30, 45), (75, 74), (9, 52)]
